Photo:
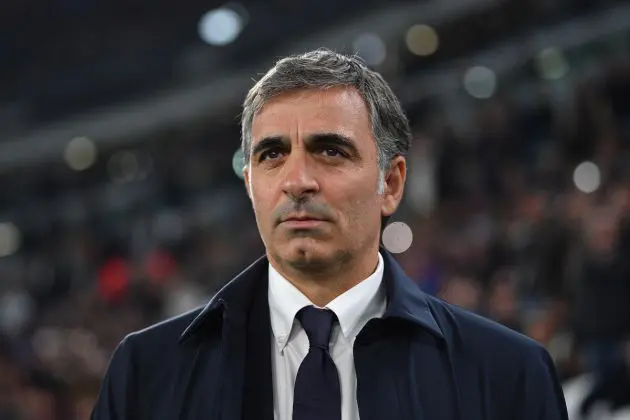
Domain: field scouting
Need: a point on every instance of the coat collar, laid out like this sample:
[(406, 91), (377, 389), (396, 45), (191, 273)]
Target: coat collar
[(236, 297), (405, 300)]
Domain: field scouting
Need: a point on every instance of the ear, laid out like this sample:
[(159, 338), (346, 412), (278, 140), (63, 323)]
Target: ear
[(246, 178), (395, 179)]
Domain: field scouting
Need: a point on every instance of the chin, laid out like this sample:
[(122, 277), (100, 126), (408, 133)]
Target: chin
[(310, 254), (307, 248)]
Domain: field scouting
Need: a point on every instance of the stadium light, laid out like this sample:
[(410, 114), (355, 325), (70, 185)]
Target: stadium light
[(238, 163), (371, 48), (397, 237), (551, 64), (80, 153), (10, 239), (587, 177), (123, 167), (422, 40), (480, 82), (221, 26)]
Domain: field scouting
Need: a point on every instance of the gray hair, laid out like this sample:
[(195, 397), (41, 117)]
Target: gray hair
[(323, 69)]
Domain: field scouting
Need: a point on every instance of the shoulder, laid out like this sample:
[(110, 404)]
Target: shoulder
[(164, 333), (155, 345), (139, 367), (504, 366), (482, 340)]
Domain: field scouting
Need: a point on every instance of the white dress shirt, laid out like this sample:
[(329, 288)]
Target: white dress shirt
[(290, 344)]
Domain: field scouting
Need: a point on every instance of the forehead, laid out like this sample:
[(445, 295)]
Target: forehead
[(335, 110)]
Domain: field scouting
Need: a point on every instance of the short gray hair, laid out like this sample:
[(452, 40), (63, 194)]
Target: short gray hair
[(323, 69)]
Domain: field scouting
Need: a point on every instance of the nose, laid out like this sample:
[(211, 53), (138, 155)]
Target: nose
[(299, 178)]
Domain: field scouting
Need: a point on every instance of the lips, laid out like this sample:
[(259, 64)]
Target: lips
[(302, 224), (302, 221), (300, 218)]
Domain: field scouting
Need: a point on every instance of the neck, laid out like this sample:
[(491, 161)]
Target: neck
[(322, 286)]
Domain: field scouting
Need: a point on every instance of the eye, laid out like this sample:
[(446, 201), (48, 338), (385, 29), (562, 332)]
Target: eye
[(332, 152), (270, 154)]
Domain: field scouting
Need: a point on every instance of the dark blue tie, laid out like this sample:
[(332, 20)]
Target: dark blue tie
[(317, 393)]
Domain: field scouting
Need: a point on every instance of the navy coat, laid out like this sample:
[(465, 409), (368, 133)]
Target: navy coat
[(425, 359)]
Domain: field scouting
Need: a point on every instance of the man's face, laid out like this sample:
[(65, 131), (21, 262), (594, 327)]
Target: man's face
[(313, 179)]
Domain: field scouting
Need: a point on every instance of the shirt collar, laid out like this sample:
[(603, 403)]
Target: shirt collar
[(285, 300), (357, 306), (353, 309)]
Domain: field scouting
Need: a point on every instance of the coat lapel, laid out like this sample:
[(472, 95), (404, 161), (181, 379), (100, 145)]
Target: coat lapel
[(195, 388), (379, 380), (232, 307), (258, 393), (412, 378), (233, 343)]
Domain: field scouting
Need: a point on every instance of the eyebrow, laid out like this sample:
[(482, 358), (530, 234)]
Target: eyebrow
[(313, 141), (333, 139), (270, 143)]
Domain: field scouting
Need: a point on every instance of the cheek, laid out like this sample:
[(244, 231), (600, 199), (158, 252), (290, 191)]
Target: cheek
[(361, 206), (260, 195)]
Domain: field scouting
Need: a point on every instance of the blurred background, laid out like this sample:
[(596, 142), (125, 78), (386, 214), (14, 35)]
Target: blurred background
[(121, 201)]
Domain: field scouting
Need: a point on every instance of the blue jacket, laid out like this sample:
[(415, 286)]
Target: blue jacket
[(425, 359)]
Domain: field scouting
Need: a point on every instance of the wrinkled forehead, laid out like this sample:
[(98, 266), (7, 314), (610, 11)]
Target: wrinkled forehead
[(303, 112)]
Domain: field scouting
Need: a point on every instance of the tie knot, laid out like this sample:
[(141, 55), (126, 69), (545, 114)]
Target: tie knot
[(318, 325)]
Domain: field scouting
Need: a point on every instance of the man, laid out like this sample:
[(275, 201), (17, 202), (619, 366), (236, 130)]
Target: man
[(327, 325)]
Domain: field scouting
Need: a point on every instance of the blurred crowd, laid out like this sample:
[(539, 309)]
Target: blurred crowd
[(532, 225), (519, 212)]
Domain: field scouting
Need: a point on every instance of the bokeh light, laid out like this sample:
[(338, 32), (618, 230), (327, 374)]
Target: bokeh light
[(480, 82), (220, 26), (80, 153), (397, 237), (551, 64), (10, 239), (422, 40), (129, 165), (238, 163), (371, 48), (587, 177), (16, 310)]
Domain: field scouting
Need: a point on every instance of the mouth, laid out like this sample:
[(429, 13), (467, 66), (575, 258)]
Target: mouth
[(302, 222)]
